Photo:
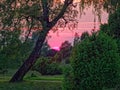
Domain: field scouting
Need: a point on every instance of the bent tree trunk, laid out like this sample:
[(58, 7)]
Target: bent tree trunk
[(18, 76), (36, 51)]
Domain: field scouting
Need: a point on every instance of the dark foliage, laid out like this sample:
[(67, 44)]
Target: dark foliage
[(46, 67), (12, 50), (95, 63)]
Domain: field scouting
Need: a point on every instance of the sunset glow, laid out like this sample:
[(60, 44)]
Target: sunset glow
[(56, 48), (86, 23)]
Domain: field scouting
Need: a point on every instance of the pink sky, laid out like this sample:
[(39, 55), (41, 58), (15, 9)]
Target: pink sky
[(85, 24)]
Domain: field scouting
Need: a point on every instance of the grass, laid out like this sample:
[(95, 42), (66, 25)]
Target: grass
[(32, 81), (32, 75), (31, 85)]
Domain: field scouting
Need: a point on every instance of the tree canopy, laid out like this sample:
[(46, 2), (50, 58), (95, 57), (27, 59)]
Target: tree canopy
[(29, 14)]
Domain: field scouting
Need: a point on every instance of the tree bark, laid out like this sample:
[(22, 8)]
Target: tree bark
[(18, 76)]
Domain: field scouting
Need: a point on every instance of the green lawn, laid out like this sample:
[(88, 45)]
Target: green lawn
[(32, 81), (31, 85)]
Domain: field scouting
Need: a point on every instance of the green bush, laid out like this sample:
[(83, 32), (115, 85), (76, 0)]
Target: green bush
[(114, 24), (46, 67), (94, 63), (68, 83), (54, 69), (12, 50)]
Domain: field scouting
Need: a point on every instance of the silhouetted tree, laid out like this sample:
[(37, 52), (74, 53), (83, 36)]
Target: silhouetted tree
[(64, 53), (65, 50), (51, 52), (76, 39), (84, 35)]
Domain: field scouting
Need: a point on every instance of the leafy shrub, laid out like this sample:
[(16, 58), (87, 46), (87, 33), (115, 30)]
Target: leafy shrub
[(54, 69), (68, 82), (46, 67), (12, 50), (114, 23), (94, 63), (114, 26), (3, 71)]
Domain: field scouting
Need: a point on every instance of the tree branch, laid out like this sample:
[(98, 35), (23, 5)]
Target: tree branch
[(30, 29), (60, 15), (45, 12)]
